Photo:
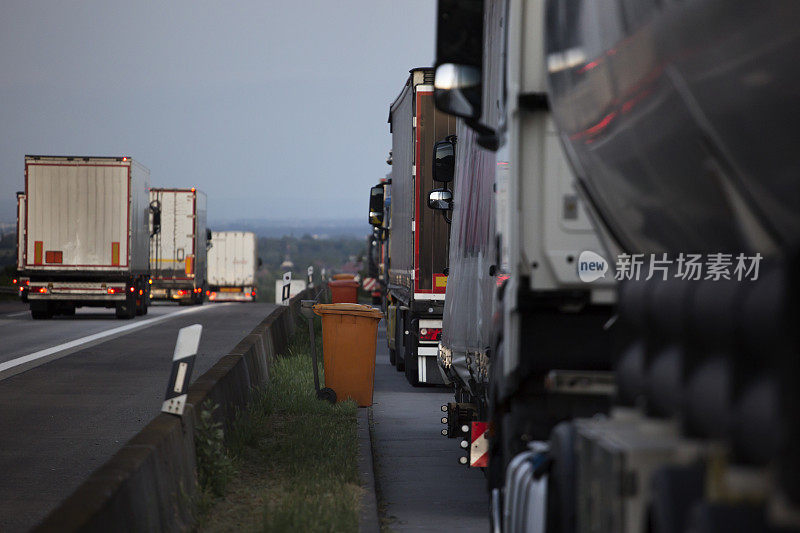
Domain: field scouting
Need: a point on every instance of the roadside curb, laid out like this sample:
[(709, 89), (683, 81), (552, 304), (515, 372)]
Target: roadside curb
[(368, 517)]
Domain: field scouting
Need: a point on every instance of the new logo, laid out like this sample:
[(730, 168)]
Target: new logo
[(591, 266)]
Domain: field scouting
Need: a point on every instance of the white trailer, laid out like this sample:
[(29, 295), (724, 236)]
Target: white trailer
[(84, 236), (178, 245), (232, 264)]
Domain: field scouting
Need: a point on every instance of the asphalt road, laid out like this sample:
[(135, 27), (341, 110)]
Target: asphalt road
[(421, 484), (64, 418)]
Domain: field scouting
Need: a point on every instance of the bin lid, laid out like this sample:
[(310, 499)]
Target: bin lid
[(348, 309), (344, 276), (343, 283)]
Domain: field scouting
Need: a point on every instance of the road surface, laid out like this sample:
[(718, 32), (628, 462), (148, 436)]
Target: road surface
[(419, 480), (66, 417)]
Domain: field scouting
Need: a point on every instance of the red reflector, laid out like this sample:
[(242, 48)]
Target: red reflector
[(430, 334)]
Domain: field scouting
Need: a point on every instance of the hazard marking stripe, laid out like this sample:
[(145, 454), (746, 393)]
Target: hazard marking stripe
[(479, 445)]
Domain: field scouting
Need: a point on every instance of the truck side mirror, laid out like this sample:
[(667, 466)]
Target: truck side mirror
[(376, 205), (155, 210), (444, 160), (459, 58), (440, 199)]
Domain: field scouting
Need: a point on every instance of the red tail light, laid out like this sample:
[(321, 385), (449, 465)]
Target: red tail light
[(21, 289), (430, 334), (132, 289), (43, 290), (111, 290), (14, 281), (208, 293), (253, 293), (141, 292), (28, 282)]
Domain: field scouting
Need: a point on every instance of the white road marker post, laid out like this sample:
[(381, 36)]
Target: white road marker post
[(182, 365), (311, 277), (287, 288)]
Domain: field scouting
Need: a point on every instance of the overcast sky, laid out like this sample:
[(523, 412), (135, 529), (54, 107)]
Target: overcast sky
[(274, 109)]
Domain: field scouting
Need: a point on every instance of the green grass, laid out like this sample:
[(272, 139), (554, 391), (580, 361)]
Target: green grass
[(295, 457)]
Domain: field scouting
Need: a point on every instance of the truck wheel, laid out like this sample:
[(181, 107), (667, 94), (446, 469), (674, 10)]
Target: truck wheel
[(399, 363), (41, 315), (126, 310), (41, 311), (68, 311)]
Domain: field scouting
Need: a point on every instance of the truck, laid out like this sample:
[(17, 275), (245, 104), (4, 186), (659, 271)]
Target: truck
[(232, 264), (631, 120), (178, 245), (524, 340), (418, 246), (377, 247), (85, 235)]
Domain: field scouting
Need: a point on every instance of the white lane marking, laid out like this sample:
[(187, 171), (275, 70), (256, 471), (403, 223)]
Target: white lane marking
[(15, 314), (12, 367)]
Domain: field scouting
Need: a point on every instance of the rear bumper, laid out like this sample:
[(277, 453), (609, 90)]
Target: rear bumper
[(77, 292)]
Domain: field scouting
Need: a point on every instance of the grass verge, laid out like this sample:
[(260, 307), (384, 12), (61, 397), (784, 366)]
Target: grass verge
[(294, 457)]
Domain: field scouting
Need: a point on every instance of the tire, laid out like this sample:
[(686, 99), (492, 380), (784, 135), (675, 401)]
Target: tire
[(392, 357), (399, 329), (127, 310), (40, 315), (41, 311), (68, 311)]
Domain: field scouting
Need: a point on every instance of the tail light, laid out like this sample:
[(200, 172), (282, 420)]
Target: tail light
[(208, 293), (141, 292), (27, 282), (253, 294), (150, 281), (132, 289), (14, 281), (111, 290), (42, 290), (430, 334), (21, 289)]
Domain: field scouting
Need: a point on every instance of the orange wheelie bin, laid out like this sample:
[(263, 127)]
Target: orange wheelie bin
[(349, 339), (344, 291)]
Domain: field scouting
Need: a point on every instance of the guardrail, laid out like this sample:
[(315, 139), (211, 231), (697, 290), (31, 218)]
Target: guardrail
[(151, 483)]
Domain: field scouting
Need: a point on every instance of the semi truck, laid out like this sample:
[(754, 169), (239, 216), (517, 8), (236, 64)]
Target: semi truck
[(418, 243), (524, 340), (232, 264), (378, 249), (84, 235), (664, 126), (178, 245)]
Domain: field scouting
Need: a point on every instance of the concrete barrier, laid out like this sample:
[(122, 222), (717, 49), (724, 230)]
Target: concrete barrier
[(151, 483)]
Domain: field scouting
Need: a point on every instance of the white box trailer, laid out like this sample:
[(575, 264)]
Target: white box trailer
[(232, 264), (85, 234), (178, 245)]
